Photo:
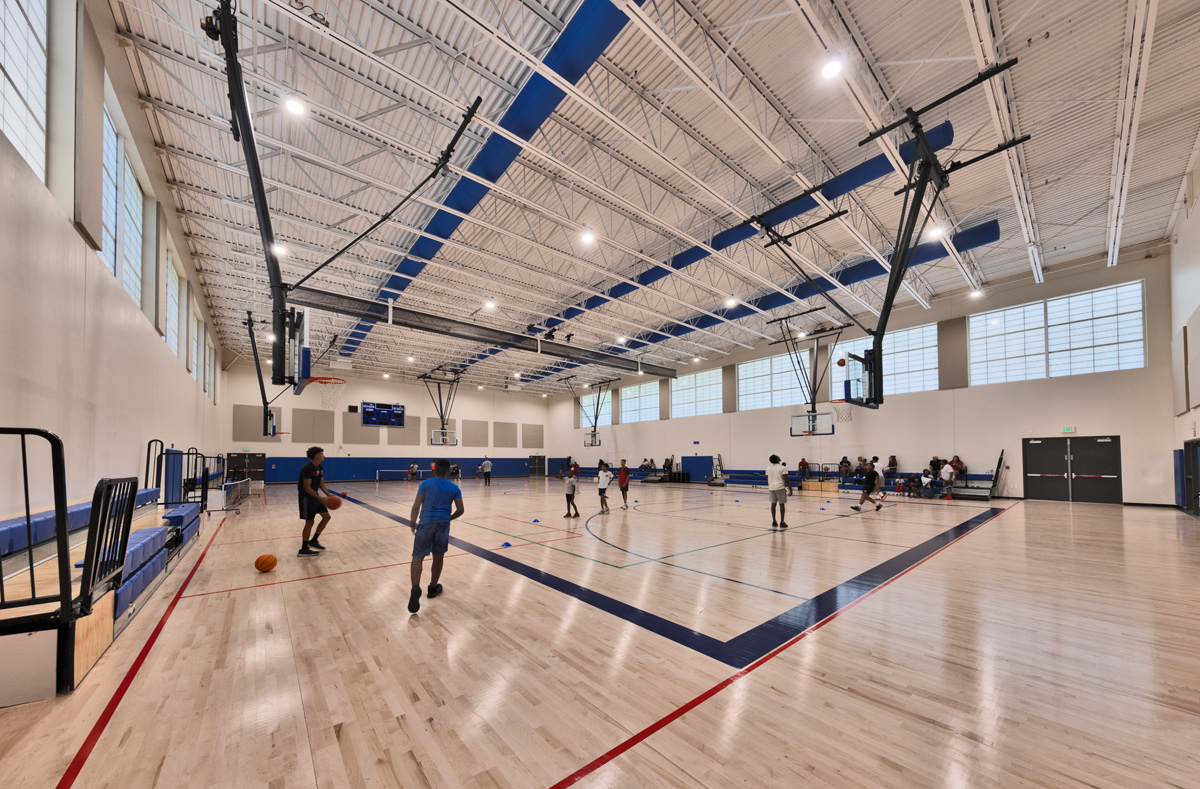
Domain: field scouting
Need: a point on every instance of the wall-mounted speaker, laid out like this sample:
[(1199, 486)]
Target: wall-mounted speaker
[(354, 409)]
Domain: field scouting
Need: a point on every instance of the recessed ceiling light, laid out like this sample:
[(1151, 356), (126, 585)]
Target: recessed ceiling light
[(385, 375), (279, 249), (587, 236), (294, 105), (832, 68)]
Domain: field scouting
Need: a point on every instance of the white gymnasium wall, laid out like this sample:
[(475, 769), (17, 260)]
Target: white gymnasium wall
[(241, 388), (79, 358), (974, 422), (1185, 306)]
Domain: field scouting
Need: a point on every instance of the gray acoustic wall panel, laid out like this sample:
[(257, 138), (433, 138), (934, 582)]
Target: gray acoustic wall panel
[(353, 431), (407, 436), (504, 434), (248, 426), (953, 365), (474, 433), (533, 436), (312, 426), (433, 423)]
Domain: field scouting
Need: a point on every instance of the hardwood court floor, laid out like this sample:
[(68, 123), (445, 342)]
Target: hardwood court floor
[(1054, 645)]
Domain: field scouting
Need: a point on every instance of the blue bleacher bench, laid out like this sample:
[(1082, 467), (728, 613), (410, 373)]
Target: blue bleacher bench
[(14, 536)]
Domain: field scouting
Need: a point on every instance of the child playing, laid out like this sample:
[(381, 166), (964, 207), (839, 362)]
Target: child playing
[(603, 477), (431, 531), (572, 482)]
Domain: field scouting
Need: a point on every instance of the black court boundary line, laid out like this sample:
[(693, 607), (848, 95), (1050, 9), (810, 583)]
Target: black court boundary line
[(740, 651)]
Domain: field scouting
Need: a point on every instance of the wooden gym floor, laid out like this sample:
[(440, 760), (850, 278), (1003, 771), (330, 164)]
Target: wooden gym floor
[(680, 643)]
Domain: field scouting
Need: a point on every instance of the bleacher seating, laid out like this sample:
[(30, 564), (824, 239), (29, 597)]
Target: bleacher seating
[(138, 582), (14, 536)]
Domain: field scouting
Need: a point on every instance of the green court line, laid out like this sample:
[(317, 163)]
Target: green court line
[(552, 547)]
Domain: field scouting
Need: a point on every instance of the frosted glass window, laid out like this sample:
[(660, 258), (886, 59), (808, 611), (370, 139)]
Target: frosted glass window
[(910, 361), (210, 371), (172, 337), (697, 394), (587, 411), (639, 403), (197, 359), (131, 242), (1097, 331), (108, 195), (1091, 332), (770, 382), (23, 79)]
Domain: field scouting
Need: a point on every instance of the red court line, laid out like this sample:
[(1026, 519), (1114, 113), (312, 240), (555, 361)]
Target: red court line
[(333, 533), (310, 577), (667, 720), (89, 743)]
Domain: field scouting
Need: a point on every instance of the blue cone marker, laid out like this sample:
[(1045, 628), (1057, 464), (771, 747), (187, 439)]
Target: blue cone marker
[(509, 544), (822, 509), (535, 520), (635, 501)]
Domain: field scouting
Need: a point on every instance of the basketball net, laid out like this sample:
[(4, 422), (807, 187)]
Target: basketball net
[(331, 390), (843, 411)]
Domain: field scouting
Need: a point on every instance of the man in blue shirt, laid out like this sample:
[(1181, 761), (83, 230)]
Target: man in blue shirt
[(431, 529)]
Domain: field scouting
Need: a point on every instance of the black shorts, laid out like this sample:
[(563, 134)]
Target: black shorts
[(603, 491), (624, 488), (311, 508), (570, 497)]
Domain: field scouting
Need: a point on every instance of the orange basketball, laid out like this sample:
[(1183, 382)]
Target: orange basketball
[(841, 362), (265, 563), (333, 502)]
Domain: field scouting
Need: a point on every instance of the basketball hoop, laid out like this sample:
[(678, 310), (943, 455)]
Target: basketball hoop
[(843, 411), (331, 389)]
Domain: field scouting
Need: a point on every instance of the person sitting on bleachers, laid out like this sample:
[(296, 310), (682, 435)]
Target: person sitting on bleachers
[(958, 465), (844, 467), (651, 466), (891, 469), (802, 468), (935, 465), (927, 489), (645, 465), (912, 486), (861, 469)]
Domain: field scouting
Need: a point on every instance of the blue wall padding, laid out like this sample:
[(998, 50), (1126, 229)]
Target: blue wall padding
[(1180, 496), (287, 470)]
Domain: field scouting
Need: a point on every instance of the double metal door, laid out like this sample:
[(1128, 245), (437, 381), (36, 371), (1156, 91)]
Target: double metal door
[(1086, 468)]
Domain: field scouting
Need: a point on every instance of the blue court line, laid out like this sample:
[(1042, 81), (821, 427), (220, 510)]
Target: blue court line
[(740, 651), (587, 525)]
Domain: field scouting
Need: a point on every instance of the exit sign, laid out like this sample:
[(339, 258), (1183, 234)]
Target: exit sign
[(1068, 430)]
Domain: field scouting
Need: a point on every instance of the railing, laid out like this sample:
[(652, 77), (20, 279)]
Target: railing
[(64, 612), (108, 538), (153, 462)]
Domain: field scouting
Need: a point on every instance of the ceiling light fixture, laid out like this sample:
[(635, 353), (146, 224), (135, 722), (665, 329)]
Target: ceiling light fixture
[(621, 340), (832, 68), (411, 359), (271, 337), (587, 236), (936, 232), (729, 302), (480, 388), (975, 294), (696, 360), (543, 394), (516, 375), (385, 375), (294, 105), (279, 249), (489, 305)]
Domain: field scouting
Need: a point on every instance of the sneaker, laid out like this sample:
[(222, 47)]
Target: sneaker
[(878, 507), (856, 509), (567, 515), (624, 506), (414, 600), (433, 591), (782, 525), (316, 546), (576, 515), (774, 524), (306, 551)]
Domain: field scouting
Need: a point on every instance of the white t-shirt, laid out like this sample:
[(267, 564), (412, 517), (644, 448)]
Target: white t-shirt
[(487, 466), (776, 477), (947, 472), (603, 478)]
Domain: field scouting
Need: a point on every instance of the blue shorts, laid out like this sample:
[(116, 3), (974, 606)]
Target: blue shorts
[(431, 538)]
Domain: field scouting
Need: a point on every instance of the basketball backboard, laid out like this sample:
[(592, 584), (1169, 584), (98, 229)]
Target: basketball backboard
[(591, 439), (443, 438), (820, 424)]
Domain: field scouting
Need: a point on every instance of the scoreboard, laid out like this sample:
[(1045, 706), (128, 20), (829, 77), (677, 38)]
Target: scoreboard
[(384, 414)]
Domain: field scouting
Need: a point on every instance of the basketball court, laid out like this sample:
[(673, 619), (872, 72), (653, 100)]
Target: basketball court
[(932, 267)]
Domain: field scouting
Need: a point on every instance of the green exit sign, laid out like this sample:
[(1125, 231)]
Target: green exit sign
[(1068, 430)]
